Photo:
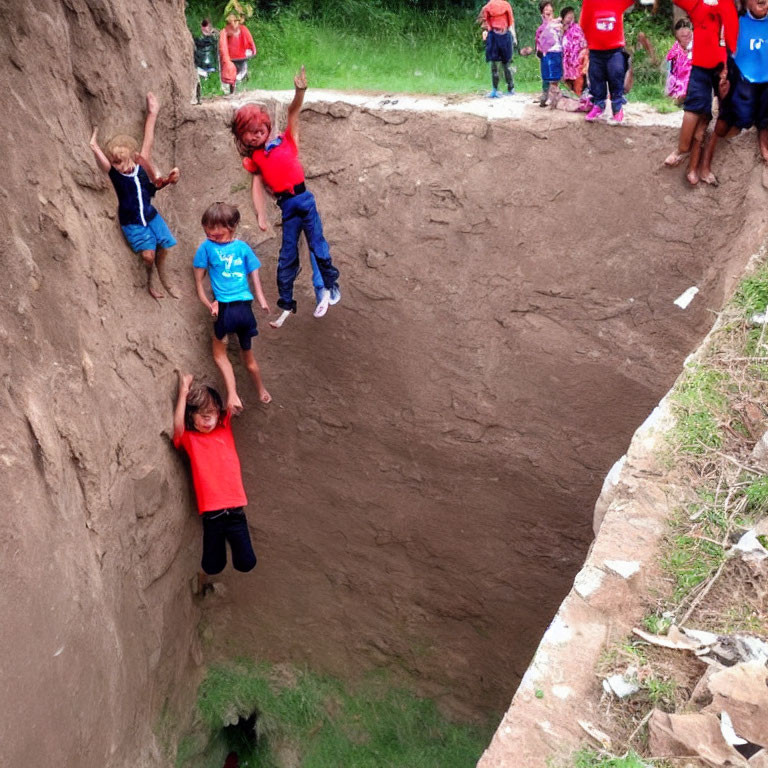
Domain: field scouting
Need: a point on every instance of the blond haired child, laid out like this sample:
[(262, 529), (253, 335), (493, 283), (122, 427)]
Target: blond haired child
[(136, 181)]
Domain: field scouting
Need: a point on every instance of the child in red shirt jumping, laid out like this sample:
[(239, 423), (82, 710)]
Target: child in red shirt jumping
[(713, 21), (276, 164), (603, 25), (202, 428)]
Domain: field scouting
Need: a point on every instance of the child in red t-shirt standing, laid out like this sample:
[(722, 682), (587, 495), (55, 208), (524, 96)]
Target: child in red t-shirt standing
[(276, 164), (713, 21), (202, 428), (603, 25), (498, 24)]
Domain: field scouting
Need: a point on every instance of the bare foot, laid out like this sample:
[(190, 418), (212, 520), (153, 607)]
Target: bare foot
[(710, 178), (166, 283), (153, 293), (234, 404), (173, 176), (693, 177), (280, 320), (264, 396), (674, 159), (323, 304)]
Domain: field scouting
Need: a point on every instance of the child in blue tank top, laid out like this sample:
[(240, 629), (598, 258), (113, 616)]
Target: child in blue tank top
[(135, 181)]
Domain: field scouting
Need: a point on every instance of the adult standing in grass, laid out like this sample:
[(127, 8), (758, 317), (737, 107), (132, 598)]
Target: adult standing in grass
[(236, 46), (498, 24)]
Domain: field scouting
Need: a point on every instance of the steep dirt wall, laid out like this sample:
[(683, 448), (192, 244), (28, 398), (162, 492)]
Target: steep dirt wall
[(95, 546), (422, 486)]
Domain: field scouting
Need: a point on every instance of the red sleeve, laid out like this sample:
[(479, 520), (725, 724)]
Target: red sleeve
[(486, 16), (627, 4), (288, 137), (181, 441), (249, 165), (510, 16), (585, 18), (226, 419), (730, 21)]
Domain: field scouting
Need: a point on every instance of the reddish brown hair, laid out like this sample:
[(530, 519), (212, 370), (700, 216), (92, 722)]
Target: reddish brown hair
[(248, 118), (221, 215)]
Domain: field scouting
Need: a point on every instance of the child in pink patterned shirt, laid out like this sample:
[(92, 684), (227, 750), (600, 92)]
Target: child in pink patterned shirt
[(680, 59), (575, 51)]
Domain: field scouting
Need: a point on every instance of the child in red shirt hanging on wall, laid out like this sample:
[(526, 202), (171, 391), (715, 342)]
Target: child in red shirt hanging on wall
[(715, 33), (275, 164), (603, 24), (203, 429)]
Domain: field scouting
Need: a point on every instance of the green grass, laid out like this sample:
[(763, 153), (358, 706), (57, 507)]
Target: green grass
[(699, 400), (752, 293), (587, 758), (371, 45), (326, 725)]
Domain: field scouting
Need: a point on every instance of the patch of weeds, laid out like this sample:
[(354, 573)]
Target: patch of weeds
[(742, 618), (699, 399), (757, 496), (661, 691), (689, 561), (752, 293), (587, 758), (326, 725), (657, 624)]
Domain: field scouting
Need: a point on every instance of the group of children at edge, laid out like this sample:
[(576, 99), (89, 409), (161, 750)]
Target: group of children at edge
[(202, 420), (227, 51), (721, 50)]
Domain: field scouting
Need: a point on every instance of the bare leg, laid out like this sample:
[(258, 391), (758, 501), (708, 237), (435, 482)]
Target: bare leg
[(148, 257), (687, 130), (722, 131), (249, 361), (762, 142), (227, 373), (162, 253), (695, 159)]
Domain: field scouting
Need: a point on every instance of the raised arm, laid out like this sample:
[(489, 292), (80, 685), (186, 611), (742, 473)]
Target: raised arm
[(259, 203), (101, 159), (211, 306), (185, 382), (153, 107), (300, 84)]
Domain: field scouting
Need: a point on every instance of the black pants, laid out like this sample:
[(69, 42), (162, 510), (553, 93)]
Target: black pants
[(219, 527), (507, 74)]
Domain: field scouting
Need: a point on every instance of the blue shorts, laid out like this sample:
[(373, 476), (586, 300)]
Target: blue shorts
[(552, 66), (498, 46), (236, 317), (702, 86), (155, 235), (746, 103)]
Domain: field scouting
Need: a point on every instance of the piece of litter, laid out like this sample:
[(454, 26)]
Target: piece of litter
[(759, 318), (751, 547), (726, 728), (58, 653), (686, 297), (622, 685), (625, 568)]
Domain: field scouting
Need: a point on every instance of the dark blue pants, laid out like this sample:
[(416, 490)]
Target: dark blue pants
[(219, 527), (607, 68), (300, 215)]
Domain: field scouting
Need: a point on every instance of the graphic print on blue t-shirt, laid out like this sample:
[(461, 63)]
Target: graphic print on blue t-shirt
[(228, 265), (751, 55)]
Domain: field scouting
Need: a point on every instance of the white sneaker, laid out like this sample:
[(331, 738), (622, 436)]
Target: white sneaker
[(323, 304), (335, 295)]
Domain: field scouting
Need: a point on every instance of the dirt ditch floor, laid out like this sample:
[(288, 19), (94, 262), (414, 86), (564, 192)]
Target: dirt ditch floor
[(422, 487)]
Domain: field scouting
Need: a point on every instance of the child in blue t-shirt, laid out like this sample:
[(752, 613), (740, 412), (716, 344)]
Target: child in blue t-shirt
[(136, 181), (746, 103), (229, 263)]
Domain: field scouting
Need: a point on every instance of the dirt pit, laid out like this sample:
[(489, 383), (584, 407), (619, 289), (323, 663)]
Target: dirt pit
[(421, 489)]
